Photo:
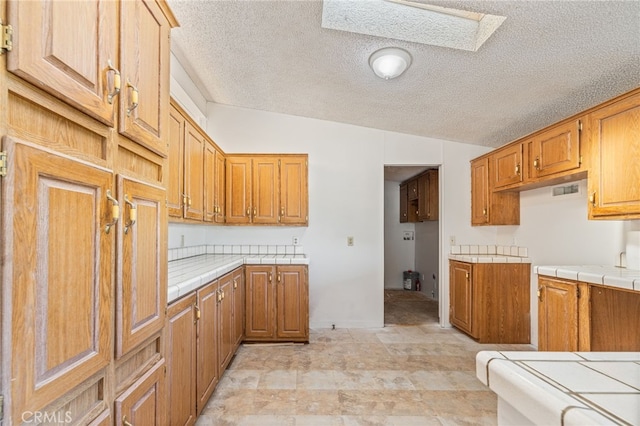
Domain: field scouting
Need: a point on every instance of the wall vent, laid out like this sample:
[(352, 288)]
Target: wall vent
[(561, 190)]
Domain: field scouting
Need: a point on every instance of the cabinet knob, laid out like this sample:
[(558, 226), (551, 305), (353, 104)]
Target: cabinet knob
[(540, 294), (116, 82), (115, 211), (484, 211), (125, 422), (518, 169), (536, 163), (133, 214), (592, 199), (134, 98)]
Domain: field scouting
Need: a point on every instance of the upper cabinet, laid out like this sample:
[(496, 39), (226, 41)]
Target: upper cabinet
[(267, 189), (419, 199), (598, 144), (91, 76), (614, 149)]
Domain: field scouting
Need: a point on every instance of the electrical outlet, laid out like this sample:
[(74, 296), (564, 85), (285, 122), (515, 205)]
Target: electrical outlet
[(296, 241), (349, 241), (452, 240)]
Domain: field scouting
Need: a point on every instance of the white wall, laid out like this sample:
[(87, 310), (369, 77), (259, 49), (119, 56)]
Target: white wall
[(427, 257), (399, 255)]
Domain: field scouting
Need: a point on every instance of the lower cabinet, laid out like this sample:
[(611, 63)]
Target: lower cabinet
[(577, 316), (490, 301), (201, 339), (143, 402), (277, 303)]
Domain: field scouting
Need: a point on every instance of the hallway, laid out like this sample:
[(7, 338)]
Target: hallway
[(418, 374)]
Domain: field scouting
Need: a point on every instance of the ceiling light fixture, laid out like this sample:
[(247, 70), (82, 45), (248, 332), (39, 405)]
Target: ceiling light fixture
[(389, 62)]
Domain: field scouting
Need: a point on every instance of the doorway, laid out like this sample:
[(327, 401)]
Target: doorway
[(409, 245)]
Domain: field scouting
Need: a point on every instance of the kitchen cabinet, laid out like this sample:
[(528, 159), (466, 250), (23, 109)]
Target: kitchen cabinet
[(143, 403), (238, 306), (83, 203), (224, 320), (505, 166), (489, 207), (180, 354), (614, 172), (195, 182), (404, 203), (490, 301), (266, 189), (277, 303), (428, 196), (578, 316), (555, 150), (207, 343), (412, 189), (557, 315)]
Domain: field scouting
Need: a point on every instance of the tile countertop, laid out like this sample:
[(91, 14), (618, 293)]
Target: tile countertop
[(190, 273), (611, 276), (563, 388), (489, 254)]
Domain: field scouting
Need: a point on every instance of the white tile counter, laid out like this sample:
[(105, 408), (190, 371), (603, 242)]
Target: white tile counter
[(489, 254), (610, 276), (563, 388), (203, 264)]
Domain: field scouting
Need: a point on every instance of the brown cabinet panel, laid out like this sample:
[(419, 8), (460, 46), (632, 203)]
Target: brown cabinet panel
[(292, 298), (404, 203), (144, 50), (175, 167), (181, 361), (238, 305), (614, 173), (557, 315), (412, 189), (144, 402), (226, 335), (555, 150), (428, 196), (69, 61), (194, 148), (294, 191), (461, 295), (505, 166), (260, 302), (209, 183), (219, 187), (55, 210), (614, 319), (238, 195), (487, 206), (265, 190), (207, 352), (142, 255)]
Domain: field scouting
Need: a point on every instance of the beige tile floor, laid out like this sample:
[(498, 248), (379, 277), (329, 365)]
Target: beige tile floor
[(411, 372)]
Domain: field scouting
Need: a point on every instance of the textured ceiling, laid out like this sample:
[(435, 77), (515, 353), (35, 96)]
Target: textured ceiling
[(547, 61)]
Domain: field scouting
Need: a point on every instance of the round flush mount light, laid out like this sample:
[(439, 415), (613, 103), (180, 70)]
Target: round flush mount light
[(389, 62)]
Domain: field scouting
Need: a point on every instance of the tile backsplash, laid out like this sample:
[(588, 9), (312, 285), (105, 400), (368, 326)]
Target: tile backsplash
[(222, 249), (490, 250)]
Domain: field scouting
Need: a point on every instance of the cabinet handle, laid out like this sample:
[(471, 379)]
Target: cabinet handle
[(115, 212), (279, 277), (222, 294), (518, 169), (218, 296), (540, 293), (184, 200), (133, 214), (592, 199), (536, 163), (125, 422), (197, 309), (249, 212), (235, 284), (281, 211), (255, 212), (466, 275), (189, 200), (116, 82), (134, 98), (484, 211), (270, 277)]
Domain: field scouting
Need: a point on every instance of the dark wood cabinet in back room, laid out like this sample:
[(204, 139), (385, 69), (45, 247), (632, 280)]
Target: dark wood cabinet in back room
[(419, 197)]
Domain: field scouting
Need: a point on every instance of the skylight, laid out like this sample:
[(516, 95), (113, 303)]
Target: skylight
[(411, 21)]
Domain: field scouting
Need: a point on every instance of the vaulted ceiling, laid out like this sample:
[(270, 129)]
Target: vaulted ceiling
[(547, 61)]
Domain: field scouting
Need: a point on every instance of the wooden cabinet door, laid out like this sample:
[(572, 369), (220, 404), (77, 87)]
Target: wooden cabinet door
[(209, 182), (226, 333), (265, 190), (65, 48), (556, 150), (404, 203), (194, 148), (292, 300), (219, 187), (412, 189), (175, 172), (207, 352), (557, 315), (480, 191), (238, 193), (141, 285), (428, 196), (614, 319), (57, 269), (144, 58), (506, 166), (238, 306), (180, 354), (144, 402), (461, 295), (614, 173), (294, 191), (260, 299)]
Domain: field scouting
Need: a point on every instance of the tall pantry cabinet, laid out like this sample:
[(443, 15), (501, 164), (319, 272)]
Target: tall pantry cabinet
[(85, 95)]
